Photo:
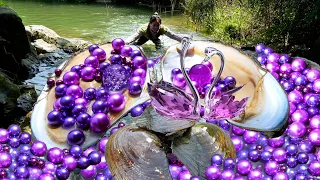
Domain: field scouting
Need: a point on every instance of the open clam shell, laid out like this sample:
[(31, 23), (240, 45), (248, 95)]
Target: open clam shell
[(134, 153), (267, 108), (57, 137)]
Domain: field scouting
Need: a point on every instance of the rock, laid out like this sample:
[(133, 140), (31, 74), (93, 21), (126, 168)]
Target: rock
[(14, 44), (73, 44), (41, 32), (43, 47), (27, 98)]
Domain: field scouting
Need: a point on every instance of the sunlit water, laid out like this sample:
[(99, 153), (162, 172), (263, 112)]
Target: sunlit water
[(98, 23)]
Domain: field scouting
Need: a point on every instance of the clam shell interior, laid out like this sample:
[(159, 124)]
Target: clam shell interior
[(57, 137), (267, 108)]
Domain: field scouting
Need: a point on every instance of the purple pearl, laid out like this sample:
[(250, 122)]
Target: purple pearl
[(14, 130), (313, 100), (260, 48), (216, 159), (93, 47), (292, 162), (139, 62), (99, 123), (250, 137), (60, 90), (116, 102), (54, 118), (102, 94), (302, 106), (78, 109), (137, 79), (295, 97), (302, 158), (38, 148), (87, 74), (273, 57), (116, 59), (313, 74), (300, 116), (230, 81), (25, 138), (195, 178), (267, 51), (266, 156), (4, 136), (135, 88), (100, 106), (297, 129), (74, 91), (273, 67), (254, 155), (237, 142), (69, 162), (100, 176), (314, 168), (14, 142), (83, 163), (208, 64), (314, 122), (71, 78), (298, 64), (212, 172), (262, 59), (288, 85), (62, 173), (22, 172), (99, 53), (281, 176), (284, 58), (271, 168), (5, 160), (102, 164), (102, 144), (103, 66), (55, 155), (238, 131), (89, 172), (90, 93), (229, 163), (135, 53), (46, 176), (118, 44), (94, 158), (83, 121), (126, 51), (279, 155), (91, 61), (25, 149), (314, 137), (255, 174), (243, 167), (139, 72), (75, 151), (76, 137), (137, 111), (67, 102), (316, 85), (301, 80), (227, 175), (77, 69), (291, 150)]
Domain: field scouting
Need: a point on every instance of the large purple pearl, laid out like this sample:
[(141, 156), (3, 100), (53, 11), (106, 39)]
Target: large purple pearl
[(54, 118), (213, 172), (273, 67), (102, 144), (46, 176), (314, 122), (273, 58), (175, 170), (126, 51), (22, 172), (116, 59), (314, 137), (139, 62), (200, 74), (255, 174), (93, 47), (76, 137), (74, 91), (83, 162), (313, 111), (117, 44), (70, 162), (237, 142), (71, 78), (89, 172), (139, 72), (34, 173), (238, 131), (62, 173), (298, 64), (100, 54), (75, 151), (216, 159), (49, 168), (260, 48), (262, 59), (4, 136), (314, 168), (250, 137), (301, 80), (313, 74), (87, 73), (90, 93), (243, 167), (99, 123), (267, 51), (60, 90), (94, 157), (313, 100), (295, 97), (297, 129), (5, 160), (300, 116), (227, 175), (91, 61), (135, 88), (281, 176), (135, 53), (55, 155), (38, 148), (266, 156), (271, 168), (67, 102), (288, 85), (116, 102), (286, 68), (316, 86), (284, 58), (14, 130), (83, 121), (137, 111), (179, 81), (279, 155), (100, 106), (25, 138), (81, 101)]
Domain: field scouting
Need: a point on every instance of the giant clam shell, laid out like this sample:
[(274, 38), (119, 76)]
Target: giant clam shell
[(201, 142), (133, 153), (57, 137), (267, 108)]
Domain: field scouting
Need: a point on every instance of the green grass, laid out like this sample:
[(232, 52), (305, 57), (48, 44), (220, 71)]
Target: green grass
[(3, 4)]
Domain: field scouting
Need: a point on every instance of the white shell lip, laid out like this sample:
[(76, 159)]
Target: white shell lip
[(39, 125), (275, 113)]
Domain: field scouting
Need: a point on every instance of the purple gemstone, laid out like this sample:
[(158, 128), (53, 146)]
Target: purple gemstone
[(115, 78), (200, 74)]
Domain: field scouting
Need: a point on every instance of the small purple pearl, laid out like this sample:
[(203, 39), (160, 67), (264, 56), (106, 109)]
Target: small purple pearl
[(62, 173), (55, 155), (76, 151), (25, 138), (14, 130), (216, 159), (83, 162)]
